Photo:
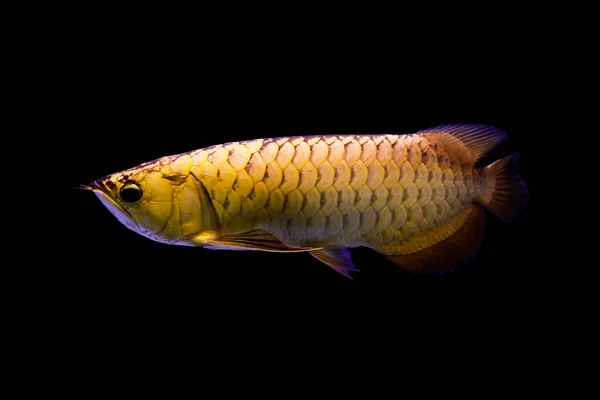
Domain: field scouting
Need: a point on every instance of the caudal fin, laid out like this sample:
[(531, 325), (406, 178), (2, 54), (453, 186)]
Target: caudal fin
[(505, 192)]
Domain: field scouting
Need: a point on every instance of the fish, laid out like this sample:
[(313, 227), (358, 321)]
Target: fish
[(418, 199)]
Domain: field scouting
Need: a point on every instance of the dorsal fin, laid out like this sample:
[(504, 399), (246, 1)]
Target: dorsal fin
[(469, 142)]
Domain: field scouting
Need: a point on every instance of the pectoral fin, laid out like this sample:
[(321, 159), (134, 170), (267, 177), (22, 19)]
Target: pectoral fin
[(257, 239), (338, 259)]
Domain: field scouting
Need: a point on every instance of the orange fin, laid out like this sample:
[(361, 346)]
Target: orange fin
[(338, 259), (468, 143), (257, 239), (455, 247), (508, 192)]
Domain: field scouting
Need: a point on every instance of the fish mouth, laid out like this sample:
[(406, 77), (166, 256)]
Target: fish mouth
[(104, 194), (87, 188), (95, 186)]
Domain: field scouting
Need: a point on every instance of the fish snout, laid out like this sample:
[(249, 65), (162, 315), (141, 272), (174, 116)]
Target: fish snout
[(104, 185)]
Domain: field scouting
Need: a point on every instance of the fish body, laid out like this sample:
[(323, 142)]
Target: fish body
[(416, 198)]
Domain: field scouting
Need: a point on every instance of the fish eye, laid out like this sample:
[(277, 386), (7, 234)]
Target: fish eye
[(131, 192)]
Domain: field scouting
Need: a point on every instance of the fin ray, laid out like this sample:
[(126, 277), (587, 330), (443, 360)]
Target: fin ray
[(510, 193), (338, 259), (257, 239), (451, 252), (470, 141)]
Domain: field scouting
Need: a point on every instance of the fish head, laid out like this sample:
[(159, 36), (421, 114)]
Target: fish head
[(159, 200)]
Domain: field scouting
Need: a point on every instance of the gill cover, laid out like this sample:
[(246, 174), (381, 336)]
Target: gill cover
[(161, 200)]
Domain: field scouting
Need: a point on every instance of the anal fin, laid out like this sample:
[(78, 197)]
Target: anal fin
[(338, 259), (449, 246)]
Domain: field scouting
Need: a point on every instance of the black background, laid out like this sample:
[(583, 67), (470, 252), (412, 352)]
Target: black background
[(118, 90), (120, 100), (132, 112)]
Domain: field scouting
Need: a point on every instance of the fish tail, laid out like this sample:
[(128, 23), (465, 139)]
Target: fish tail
[(505, 193)]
